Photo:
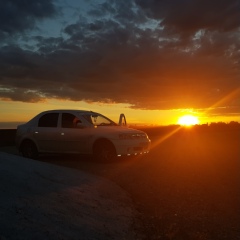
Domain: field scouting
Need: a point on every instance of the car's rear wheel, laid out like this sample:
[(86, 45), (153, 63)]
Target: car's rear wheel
[(29, 149), (104, 151)]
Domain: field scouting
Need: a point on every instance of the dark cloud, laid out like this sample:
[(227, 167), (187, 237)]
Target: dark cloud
[(122, 54), (17, 16), (188, 16)]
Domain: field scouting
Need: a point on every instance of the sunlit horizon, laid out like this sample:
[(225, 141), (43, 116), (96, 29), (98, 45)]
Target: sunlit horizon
[(14, 113)]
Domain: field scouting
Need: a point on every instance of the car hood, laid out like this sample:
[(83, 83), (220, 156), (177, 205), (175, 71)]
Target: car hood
[(118, 129)]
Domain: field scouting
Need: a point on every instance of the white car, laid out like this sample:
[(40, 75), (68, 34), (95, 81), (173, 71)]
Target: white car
[(82, 132)]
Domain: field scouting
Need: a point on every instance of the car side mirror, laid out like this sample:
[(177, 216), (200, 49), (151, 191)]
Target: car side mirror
[(122, 120)]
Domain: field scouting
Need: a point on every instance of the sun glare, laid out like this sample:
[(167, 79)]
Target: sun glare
[(188, 120)]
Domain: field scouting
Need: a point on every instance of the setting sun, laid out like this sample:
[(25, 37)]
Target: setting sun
[(188, 120)]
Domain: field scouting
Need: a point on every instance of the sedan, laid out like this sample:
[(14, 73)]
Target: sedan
[(81, 132)]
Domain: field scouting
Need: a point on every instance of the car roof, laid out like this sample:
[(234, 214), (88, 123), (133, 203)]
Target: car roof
[(67, 110)]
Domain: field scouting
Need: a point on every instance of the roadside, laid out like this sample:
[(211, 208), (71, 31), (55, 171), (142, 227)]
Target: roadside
[(44, 201), (9, 149)]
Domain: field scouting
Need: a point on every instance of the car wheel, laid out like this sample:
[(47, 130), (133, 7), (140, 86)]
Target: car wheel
[(104, 151), (29, 149)]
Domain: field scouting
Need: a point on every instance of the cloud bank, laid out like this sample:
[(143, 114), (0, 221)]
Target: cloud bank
[(150, 54)]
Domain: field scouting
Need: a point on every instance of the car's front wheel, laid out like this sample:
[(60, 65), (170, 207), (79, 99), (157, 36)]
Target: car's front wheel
[(29, 149), (104, 151)]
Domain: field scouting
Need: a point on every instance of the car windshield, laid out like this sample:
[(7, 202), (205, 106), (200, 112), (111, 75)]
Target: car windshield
[(99, 120)]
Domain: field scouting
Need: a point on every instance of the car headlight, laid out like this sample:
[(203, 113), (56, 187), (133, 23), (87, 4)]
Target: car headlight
[(132, 136)]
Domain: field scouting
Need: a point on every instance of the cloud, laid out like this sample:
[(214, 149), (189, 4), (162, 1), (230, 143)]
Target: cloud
[(151, 54), (188, 16), (18, 16)]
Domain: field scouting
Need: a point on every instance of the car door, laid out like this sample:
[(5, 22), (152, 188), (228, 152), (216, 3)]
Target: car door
[(74, 135), (47, 133)]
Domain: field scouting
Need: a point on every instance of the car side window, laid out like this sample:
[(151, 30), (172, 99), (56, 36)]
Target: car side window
[(48, 120), (69, 120)]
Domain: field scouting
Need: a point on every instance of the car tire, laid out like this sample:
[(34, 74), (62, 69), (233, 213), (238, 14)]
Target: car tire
[(29, 149), (104, 151)]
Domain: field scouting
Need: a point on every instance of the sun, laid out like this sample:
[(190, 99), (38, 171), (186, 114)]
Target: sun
[(188, 120)]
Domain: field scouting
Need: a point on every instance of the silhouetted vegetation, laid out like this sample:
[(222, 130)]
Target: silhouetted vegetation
[(7, 137), (154, 131)]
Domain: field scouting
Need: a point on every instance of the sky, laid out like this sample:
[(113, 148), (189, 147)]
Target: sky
[(152, 60)]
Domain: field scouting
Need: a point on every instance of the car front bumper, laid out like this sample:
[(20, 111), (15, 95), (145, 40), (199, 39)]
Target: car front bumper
[(132, 147)]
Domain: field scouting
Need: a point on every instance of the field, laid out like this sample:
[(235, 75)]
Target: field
[(187, 187)]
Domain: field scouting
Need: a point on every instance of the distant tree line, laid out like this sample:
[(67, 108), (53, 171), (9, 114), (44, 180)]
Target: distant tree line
[(233, 125)]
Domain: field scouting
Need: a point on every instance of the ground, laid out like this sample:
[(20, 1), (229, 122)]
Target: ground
[(187, 187), (45, 201)]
